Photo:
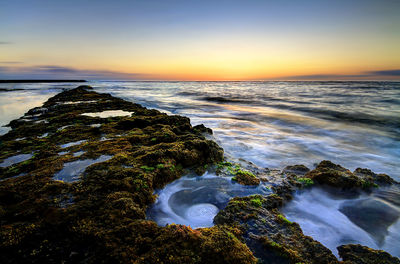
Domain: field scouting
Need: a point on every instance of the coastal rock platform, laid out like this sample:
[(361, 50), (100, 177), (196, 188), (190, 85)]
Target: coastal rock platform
[(78, 174)]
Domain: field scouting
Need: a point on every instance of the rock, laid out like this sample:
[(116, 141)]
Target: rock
[(334, 175), (369, 176), (202, 129), (300, 170), (358, 254), (385, 179), (271, 237), (246, 178)]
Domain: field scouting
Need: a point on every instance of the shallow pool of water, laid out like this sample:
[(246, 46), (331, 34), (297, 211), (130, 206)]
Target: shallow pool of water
[(72, 170), (44, 135), (196, 200), (79, 153), (77, 102), (334, 219), (67, 145), (15, 159), (109, 113)]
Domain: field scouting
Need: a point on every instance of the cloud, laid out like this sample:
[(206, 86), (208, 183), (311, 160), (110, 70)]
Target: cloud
[(379, 74), (385, 73), (60, 72), (5, 42), (322, 77), (10, 62), (54, 69)]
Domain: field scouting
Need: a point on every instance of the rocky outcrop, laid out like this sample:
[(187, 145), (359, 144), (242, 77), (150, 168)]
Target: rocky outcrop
[(334, 175), (101, 215), (296, 169), (272, 237), (246, 178), (369, 176)]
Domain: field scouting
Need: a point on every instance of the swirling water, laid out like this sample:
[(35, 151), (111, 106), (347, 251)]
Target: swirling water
[(272, 124), (333, 219), (196, 200)]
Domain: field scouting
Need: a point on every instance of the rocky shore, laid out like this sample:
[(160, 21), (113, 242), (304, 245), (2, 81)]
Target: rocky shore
[(78, 174)]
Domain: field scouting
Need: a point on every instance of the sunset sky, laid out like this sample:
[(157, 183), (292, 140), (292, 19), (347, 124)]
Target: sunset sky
[(200, 40)]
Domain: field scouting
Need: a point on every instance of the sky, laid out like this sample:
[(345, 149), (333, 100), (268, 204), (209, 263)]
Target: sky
[(200, 39)]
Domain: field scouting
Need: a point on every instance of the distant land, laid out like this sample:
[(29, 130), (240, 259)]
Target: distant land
[(39, 81)]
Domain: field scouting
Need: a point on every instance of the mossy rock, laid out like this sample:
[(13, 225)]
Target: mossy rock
[(246, 178), (296, 169), (101, 217), (334, 175), (269, 234)]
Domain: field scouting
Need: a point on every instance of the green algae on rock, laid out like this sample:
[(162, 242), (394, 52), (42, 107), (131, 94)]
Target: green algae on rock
[(240, 175), (246, 178)]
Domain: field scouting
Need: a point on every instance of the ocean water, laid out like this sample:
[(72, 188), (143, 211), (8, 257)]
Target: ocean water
[(272, 124)]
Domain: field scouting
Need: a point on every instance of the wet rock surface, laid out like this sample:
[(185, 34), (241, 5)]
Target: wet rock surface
[(101, 215)]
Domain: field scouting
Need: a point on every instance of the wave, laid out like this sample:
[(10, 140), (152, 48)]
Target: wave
[(223, 99)]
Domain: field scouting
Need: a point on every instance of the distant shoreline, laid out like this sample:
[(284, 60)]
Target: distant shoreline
[(39, 81)]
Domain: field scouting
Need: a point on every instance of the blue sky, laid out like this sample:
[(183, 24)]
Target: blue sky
[(199, 39)]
